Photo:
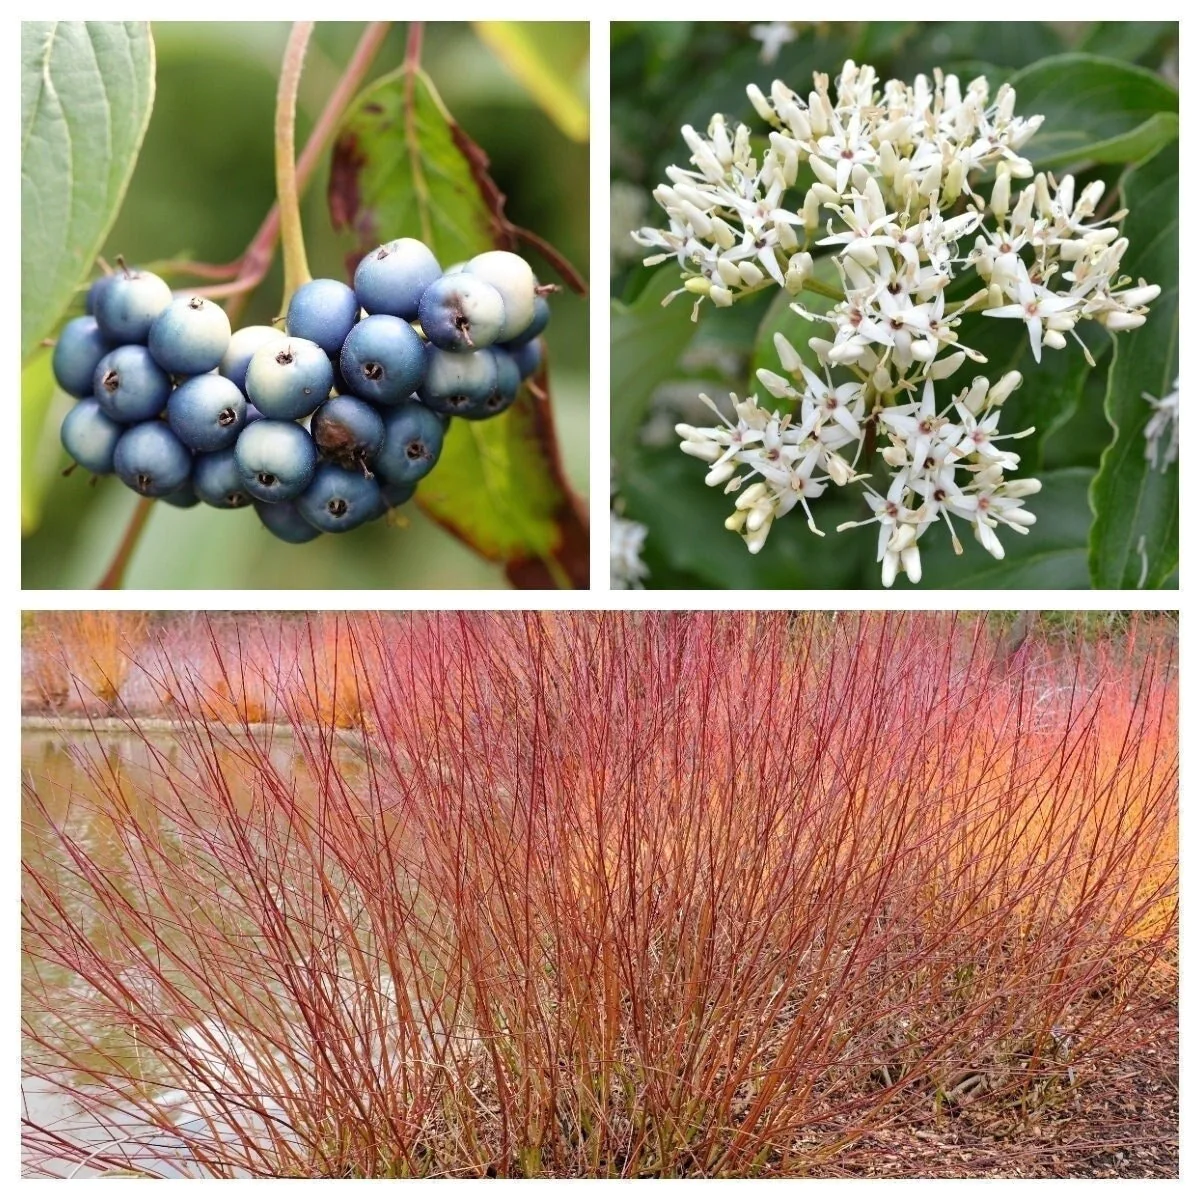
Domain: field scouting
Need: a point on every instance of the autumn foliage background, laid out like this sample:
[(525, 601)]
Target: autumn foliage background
[(599, 894)]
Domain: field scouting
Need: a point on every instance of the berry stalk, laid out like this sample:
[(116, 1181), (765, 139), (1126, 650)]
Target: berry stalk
[(295, 259), (115, 575)]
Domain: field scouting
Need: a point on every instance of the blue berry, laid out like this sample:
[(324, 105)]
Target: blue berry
[(89, 435), (276, 458), (461, 312), (383, 360), (130, 385), (94, 292), (508, 383), (150, 459), (190, 336), (77, 353), (323, 311), (347, 430), (285, 522), (184, 497), (541, 318), (289, 379), (392, 277), (513, 278), (338, 500), (207, 413), (457, 384), (528, 357), (242, 346), (412, 443), (129, 304), (217, 480)]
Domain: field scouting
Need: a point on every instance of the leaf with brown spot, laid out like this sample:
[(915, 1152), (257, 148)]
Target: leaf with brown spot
[(403, 168)]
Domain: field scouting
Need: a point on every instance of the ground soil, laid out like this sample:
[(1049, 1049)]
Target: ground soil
[(1123, 1124)]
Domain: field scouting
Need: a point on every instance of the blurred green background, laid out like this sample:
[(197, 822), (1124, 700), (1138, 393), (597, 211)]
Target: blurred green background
[(203, 183), (671, 73)]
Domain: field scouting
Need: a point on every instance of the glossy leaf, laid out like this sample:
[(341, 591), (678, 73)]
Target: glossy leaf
[(1131, 41), (86, 93), (688, 546), (647, 339), (550, 59), (403, 167), (1096, 110), (1135, 541)]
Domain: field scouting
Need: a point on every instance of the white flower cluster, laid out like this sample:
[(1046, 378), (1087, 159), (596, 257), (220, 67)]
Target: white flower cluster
[(1163, 423), (894, 171)]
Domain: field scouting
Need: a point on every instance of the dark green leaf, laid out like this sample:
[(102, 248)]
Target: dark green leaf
[(1007, 44), (1135, 540), (1051, 389), (1096, 110), (86, 93), (664, 490), (647, 339), (403, 167), (1130, 41)]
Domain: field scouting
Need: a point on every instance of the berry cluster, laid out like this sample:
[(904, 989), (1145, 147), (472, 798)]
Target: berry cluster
[(322, 427)]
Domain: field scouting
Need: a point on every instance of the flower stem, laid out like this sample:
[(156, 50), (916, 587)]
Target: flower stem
[(114, 576), (823, 289), (256, 261), (295, 259)]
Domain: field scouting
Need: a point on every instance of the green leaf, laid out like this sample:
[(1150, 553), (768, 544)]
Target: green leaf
[(687, 544), (1096, 110), (1050, 390), (550, 58), (402, 167), (1135, 540), (647, 339), (1131, 41), (780, 318), (86, 93), (40, 452), (398, 171)]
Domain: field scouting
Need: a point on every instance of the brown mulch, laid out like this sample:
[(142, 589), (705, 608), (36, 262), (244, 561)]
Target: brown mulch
[(1124, 1124)]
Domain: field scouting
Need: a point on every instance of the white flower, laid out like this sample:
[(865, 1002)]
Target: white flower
[(1037, 306), (1163, 423), (774, 36), (626, 539)]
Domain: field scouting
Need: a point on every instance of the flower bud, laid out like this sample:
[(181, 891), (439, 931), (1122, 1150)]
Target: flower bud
[(751, 276), (1118, 322), (1138, 296), (789, 359), (1003, 388), (1017, 489), (720, 473), (775, 384), (764, 110)]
